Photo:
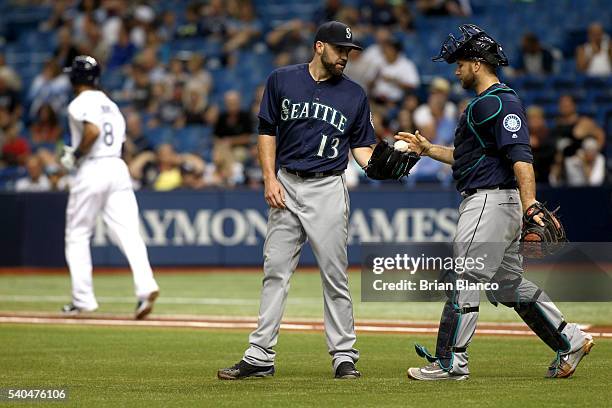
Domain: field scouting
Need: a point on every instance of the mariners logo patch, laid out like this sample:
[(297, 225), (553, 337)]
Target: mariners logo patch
[(512, 123)]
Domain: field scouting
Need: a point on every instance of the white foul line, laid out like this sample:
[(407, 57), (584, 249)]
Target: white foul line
[(247, 325)]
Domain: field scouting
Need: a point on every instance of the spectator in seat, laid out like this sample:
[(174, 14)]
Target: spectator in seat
[(396, 76), (225, 171), (290, 42), (36, 180), (14, 149), (192, 26), (197, 73), (215, 18), (159, 171), (9, 97), (595, 57), (46, 127), (142, 23), (571, 128), (135, 140), (586, 168), (542, 147), (242, 30), (234, 126), (65, 51), (170, 111), (436, 119), (138, 89), (533, 58), (57, 180), (192, 175), (360, 69), (123, 51), (8, 74), (195, 104), (50, 86), (168, 27)]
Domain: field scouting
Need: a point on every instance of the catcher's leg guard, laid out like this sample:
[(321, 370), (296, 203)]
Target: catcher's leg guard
[(540, 316), (457, 326)]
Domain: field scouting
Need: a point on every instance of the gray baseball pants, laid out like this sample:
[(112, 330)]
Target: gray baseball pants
[(317, 210), (490, 222)]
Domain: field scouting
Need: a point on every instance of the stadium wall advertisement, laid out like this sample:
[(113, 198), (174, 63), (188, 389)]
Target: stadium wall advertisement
[(228, 227)]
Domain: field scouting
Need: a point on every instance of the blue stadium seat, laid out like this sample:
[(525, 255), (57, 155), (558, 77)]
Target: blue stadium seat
[(192, 139), (159, 135)]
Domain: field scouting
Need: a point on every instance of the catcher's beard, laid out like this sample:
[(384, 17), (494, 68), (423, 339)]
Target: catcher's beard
[(330, 66), (469, 80)]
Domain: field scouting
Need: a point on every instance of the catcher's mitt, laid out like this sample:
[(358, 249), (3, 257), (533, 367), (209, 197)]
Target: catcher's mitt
[(388, 163), (539, 241)]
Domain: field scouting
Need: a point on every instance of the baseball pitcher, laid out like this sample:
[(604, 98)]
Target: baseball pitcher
[(310, 116), (101, 185)]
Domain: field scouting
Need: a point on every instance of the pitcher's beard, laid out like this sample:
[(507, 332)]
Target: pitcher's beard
[(331, 67)]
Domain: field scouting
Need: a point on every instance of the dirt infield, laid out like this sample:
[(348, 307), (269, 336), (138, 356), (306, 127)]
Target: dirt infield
[(244, 323)]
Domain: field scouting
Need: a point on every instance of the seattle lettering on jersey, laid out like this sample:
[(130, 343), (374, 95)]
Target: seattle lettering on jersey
[(315, 110)]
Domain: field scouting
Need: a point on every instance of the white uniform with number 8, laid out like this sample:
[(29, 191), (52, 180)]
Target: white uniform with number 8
[(102, 186)]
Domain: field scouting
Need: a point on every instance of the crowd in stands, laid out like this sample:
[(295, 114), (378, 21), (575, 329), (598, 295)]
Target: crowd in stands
[(185, 129)]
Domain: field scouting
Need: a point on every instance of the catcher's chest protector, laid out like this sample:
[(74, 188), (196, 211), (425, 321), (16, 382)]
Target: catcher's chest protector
[(474, 139)]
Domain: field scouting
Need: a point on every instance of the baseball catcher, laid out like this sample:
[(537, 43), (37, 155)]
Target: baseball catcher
[(492, 165)]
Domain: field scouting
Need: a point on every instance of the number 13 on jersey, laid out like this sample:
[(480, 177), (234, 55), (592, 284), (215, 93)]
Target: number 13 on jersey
[(333, 145)]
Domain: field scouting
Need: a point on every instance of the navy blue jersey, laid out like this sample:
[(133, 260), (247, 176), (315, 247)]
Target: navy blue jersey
[(316, 122), (492, 122)]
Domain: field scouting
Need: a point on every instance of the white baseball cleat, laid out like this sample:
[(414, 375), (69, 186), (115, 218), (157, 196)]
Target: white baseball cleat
[(145, 306), (433, 372), (564, 365)]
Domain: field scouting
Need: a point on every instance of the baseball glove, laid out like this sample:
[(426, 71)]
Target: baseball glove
[(539, 241), (388, 163)]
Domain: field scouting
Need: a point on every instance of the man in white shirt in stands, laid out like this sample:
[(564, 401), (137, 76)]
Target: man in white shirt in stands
[(396, 75), (36, 180), (587, 167)]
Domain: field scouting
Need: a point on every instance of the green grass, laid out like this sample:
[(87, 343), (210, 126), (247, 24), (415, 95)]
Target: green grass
[(110, 366), (137, 367), (237, 294)]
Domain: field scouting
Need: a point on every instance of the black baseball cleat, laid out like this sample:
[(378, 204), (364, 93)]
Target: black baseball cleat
[(346, 370), (145, 306), (244, 370)]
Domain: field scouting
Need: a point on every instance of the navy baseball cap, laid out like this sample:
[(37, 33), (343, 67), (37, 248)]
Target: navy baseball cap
[(337, 33)]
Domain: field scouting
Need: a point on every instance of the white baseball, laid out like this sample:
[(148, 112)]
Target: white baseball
[(401, 145)]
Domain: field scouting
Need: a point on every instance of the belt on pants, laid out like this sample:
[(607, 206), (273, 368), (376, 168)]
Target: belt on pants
[(311, 174), (471, 191)]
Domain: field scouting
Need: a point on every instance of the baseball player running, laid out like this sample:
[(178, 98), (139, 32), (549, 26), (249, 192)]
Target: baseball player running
[(310, 116), (101, 185), (490, 158)]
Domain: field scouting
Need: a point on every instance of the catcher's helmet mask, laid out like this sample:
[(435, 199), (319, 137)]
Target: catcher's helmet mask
[(84, 71), (474, 44)]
